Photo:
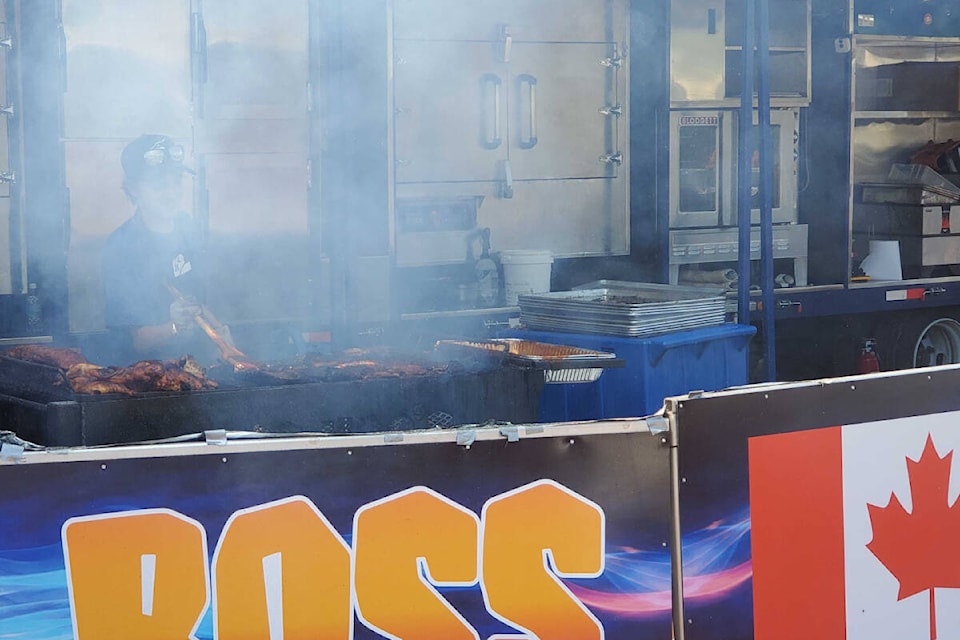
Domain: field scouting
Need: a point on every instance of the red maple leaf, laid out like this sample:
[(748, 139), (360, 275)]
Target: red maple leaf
[(920, 548)]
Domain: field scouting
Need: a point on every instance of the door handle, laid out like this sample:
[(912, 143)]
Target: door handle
[(531, 82), (490, 84)]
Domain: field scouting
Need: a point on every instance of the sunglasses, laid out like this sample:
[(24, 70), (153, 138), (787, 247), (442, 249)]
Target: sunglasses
[(160, 153)]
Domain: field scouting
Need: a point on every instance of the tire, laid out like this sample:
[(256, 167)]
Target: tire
[(919, 340)]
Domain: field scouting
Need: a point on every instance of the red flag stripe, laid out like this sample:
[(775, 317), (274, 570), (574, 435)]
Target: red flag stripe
[(796, 511)]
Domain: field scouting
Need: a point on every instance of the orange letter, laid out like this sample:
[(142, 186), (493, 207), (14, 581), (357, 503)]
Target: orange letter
[(281, 571), (138, 574), (403, 545), (525, 532)]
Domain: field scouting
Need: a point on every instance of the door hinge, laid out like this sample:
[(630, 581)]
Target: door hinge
[(612, 110), (612, 158), (506, 42), (505, 180), (615, 61)]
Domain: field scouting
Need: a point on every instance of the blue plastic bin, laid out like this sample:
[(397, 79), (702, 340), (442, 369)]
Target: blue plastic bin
[(656, 368)]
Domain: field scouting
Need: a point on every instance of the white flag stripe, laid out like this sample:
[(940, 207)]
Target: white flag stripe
[(874, 466), (273, 585), (148, 582)]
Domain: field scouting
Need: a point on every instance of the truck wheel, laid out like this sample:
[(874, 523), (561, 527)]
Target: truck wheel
[(919, 341)]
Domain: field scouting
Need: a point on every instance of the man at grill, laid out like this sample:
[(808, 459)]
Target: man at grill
[(155, 251)]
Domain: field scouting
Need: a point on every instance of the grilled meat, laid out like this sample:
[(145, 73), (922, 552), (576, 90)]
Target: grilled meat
[(148, 375), (50, 356), (91, 385)]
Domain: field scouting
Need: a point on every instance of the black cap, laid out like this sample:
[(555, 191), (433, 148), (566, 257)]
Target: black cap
[(152, 154)]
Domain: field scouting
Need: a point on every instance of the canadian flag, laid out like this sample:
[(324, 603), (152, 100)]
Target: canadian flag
[(856, 531)]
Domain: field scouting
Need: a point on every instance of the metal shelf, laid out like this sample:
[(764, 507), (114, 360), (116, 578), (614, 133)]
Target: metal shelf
[(905, 115), (772, 49)]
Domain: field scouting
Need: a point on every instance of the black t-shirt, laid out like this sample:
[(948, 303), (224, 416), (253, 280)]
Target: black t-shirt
[(137, 266)]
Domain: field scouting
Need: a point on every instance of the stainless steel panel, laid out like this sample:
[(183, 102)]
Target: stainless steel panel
[(451, 120), (253, 136), (696, 246), (6, 282), (570, 218), (706, 43), (557, 129), (705, 246), (528, 20), (257, 60), (256, 194), (940, 250), (877, 145), (5, 103), (697, 50), (932, 222), (128, 68), (431, 248), (259, 247)]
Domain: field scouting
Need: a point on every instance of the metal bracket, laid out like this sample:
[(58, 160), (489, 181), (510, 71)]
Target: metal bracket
[(215, 437), (466, 437), (7, 43), (511, 433), (11, 452), (8, 178), (392, 438)]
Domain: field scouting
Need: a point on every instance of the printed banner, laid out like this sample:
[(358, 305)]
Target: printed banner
[(549, 537), (861, 544), (822, 510)]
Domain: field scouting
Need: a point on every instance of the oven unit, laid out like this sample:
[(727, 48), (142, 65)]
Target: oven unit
[(703, 189), (703, 168)]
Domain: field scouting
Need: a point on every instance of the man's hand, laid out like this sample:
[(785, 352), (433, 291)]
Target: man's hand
[(182, 314)]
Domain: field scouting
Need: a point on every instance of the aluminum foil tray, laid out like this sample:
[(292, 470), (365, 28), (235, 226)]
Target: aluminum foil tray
[(561, 364), (625, 309)]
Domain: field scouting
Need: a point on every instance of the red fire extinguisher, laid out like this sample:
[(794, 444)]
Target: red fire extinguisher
[(868, 361)]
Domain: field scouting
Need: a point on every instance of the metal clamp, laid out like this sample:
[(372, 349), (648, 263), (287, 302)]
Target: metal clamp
[(657, 424), (8, 178), (511, 433), (466, 437), (215, 437), (11, 452)]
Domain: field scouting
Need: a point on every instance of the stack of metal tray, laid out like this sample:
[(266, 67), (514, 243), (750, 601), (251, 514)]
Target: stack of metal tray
[(631, 309)]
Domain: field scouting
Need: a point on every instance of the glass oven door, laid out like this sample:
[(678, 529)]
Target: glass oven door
[(697, 168)]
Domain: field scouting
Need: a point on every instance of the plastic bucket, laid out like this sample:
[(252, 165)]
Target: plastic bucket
[(525, 272)]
